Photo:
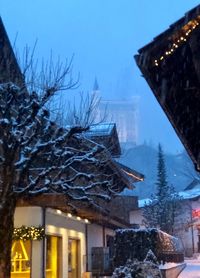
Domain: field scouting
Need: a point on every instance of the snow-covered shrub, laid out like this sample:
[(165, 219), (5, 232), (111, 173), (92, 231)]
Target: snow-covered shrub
[(170, 243), (139, 269)]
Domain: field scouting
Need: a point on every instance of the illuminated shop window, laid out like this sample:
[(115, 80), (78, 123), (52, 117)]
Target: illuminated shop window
[(73, 258), (21, 259), (53, 257)]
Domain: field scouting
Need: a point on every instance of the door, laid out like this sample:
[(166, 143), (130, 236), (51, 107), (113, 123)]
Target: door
[(53, 256), (73, 258)]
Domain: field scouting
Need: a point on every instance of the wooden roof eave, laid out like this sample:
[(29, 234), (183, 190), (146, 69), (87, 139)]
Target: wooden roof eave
[(177, 25), (167, 112), (132, 174), (13, 74), (122, 176), (144, 63), (97, 215)]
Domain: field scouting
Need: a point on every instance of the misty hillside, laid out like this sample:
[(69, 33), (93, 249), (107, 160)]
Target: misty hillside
[(143, 158)]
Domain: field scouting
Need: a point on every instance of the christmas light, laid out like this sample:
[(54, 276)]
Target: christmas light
[(28, 233), (131, 175), (59, 211), (186, 30)]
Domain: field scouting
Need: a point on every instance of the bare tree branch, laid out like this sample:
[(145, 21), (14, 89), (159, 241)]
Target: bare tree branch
[(82, 112), (46, 77), (39, 156)]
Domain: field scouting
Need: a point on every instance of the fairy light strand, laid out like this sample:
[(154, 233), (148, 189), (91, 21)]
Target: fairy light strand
[(29, 233), (191, 26)]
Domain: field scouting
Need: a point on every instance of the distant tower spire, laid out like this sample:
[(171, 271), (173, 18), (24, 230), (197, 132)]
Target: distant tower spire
[(96, 85)]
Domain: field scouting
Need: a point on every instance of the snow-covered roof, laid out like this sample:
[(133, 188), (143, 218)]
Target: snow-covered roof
[(143, 202), (190, 194), (102, 129), (185, 195), (105, 134)]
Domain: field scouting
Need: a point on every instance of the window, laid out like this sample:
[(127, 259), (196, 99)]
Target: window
[(53, 257), (21, 259)]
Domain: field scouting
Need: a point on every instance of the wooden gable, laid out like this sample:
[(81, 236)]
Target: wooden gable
[(9, 68), (171, 66)]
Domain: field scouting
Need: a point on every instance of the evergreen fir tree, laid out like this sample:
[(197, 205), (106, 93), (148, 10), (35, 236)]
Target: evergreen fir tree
[(160, 212), (150, 257), (161, 182)]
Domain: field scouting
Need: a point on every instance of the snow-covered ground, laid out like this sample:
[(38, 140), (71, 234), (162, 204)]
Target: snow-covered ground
[(168, 265), (192, 269)]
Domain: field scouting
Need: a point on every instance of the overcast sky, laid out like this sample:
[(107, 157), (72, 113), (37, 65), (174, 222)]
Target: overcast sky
[(104, 35)]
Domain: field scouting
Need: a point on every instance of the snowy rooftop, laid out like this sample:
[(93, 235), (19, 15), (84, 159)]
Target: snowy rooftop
[(190, 194), (105, 134), (143, 202), (102, 129), (185, 195)]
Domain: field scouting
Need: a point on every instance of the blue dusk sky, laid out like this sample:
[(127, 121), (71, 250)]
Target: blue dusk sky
[(104, 35)]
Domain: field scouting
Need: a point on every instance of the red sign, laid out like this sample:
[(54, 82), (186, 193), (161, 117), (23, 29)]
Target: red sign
[(196, 213)]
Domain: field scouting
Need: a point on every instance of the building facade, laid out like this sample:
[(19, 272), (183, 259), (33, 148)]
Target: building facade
[(60, 254), (73, 246), (187, 221), (125, 114)]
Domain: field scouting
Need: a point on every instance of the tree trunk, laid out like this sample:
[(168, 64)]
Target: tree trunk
[(7, 210)]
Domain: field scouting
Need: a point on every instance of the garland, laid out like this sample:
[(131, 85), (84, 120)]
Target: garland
[(29, 233)]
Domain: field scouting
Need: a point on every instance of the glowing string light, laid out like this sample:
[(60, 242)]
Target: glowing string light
[(192, 25)]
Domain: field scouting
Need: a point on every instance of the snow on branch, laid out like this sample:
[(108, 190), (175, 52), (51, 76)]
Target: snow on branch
[(38, 156)]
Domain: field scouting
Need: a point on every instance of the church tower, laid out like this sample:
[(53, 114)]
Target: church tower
[(96, 90)]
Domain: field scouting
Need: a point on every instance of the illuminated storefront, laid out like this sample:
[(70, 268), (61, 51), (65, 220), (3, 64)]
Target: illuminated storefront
[(60, 254), (21, 258)]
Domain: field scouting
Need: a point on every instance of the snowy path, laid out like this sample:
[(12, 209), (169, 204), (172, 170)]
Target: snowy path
[(192, 269)]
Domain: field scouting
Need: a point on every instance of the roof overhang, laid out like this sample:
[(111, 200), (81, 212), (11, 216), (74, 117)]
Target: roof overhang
[(9, 68), (171, 66), (131, 175), (94, 213)]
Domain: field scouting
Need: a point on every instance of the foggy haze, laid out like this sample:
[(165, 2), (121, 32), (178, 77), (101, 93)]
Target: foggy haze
[(104, 35)]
